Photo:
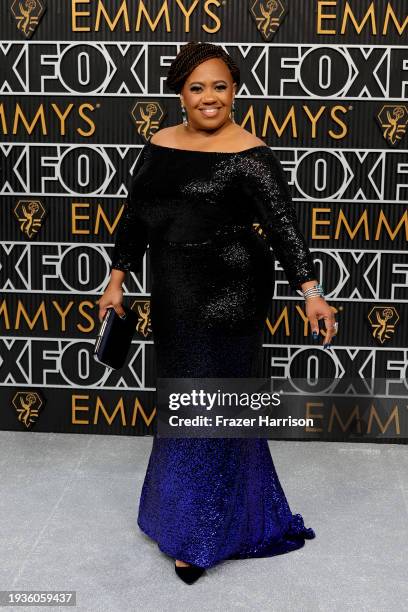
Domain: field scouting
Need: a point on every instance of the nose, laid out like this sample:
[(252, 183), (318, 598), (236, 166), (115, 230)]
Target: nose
[(208, 97)]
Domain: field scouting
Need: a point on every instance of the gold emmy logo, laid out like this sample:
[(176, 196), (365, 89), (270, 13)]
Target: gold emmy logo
[(27, 405), (29, 214), (268, 16), (393, 120), (383, 320), (27, 14), (257, 228), (147, 116), (142, 307)]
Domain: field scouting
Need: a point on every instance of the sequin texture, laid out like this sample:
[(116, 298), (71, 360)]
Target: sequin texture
[(205, 500)]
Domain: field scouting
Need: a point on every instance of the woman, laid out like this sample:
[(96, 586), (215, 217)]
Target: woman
[(195, 192)]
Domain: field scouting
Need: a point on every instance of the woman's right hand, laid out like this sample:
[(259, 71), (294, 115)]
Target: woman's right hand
[(112, 297)]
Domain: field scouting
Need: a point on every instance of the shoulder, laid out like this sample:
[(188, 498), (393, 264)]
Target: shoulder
[(165, 136), (249, 140), (240, 138), (245, 139)]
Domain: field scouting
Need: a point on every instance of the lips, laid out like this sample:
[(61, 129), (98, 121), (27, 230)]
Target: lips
[(209, 112)]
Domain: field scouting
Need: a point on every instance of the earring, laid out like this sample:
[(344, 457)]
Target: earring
[(184, 115), (232, 111)]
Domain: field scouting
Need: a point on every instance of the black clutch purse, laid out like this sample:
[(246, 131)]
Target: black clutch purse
[(115, 337)]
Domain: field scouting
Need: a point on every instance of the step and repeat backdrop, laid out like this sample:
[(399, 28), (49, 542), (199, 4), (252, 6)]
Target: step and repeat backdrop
[(82, 89)]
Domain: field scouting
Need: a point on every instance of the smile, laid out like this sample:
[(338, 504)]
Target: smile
[(209, 112)]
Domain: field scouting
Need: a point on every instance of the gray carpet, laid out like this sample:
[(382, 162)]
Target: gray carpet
[(68, 510)]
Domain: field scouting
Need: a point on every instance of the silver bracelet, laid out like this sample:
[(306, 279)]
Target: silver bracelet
[(312, 291)]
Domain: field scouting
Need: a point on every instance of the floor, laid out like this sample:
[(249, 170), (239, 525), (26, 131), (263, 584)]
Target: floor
[(68, 510)]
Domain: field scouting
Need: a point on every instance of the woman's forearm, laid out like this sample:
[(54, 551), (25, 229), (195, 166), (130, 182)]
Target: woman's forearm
[(117, 277)]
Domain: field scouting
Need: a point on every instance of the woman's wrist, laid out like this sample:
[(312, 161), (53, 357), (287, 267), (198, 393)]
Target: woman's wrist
[(308, 284), (312, 289)]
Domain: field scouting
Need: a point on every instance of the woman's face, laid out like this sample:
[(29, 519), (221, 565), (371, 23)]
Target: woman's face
[(207, 95)]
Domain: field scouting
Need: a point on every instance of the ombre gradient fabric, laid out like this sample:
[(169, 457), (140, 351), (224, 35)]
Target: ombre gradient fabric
[(206, 500)]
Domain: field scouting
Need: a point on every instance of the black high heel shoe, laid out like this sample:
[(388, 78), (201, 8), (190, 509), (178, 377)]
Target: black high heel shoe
[(190, 573)]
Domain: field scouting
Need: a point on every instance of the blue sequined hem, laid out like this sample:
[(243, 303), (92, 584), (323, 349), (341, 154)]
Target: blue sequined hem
[(293, 539)]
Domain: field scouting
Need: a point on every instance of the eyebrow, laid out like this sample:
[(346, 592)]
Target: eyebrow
[(216, 81)]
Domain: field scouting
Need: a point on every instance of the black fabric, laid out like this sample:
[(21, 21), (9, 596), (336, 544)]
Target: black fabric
[(184, 196), (212, 274)]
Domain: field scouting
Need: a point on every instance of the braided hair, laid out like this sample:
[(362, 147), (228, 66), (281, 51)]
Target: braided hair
[(191, 55)]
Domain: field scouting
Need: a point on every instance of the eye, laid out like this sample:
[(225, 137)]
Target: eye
[(197, 87)]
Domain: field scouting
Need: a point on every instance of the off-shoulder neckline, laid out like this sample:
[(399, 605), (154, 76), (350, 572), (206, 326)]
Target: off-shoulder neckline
[(152, 144)]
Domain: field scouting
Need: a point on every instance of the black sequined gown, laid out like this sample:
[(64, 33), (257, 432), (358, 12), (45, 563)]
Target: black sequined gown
[(205, 500)]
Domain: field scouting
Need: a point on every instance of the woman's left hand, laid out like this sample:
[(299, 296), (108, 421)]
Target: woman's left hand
[(317, 308)]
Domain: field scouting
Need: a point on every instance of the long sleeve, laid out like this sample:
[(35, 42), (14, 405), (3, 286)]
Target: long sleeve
[(266, 186), (132, 235)]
